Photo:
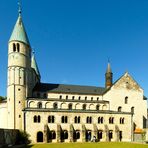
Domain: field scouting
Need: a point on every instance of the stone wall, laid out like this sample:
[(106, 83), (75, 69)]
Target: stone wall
[(8, 136)]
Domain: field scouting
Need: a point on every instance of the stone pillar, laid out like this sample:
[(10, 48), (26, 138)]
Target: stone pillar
[(46, 133), (71, 131), (58, 133), (83, 133), (117, 132), (107, 132), (95, 130)]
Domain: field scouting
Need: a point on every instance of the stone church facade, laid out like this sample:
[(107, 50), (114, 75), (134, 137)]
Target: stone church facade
[(67, 113)]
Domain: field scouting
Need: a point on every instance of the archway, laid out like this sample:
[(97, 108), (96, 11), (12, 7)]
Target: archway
[(39, 137), (88, 135), (99, 135)]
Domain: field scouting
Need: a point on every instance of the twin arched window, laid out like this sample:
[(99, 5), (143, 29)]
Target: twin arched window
[(16, 47), (89, 120), (77, 119), (64, 119), (37, 119)]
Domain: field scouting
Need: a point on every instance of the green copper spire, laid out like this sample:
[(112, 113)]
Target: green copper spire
[(19, 33), (34, 65)]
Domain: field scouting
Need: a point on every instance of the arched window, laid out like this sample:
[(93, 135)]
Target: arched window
[(66, 97), (35, 119), (100, 132), (97, 98), (91, 98), (55, 105), (51, 119), (97, 107), (75, 119), (79, 98), (66, 119), (18, 47), (85, 98), (79, 119), (70, 106), (110, 135), (65, 134), (60, 96), (121, 120), (84, 106), (90, 119), (111, 120), (53, 134), (100, 120), (126, 100), (119, 109), (39, 105), (132, 110), (14, 47), (73, 97), (39, 119), (62, 119), (77, 134)]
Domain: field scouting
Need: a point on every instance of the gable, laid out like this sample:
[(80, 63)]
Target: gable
[(127, 82)]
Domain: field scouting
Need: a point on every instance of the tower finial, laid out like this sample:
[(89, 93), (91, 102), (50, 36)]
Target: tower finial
[(19, 7), (108, 59)]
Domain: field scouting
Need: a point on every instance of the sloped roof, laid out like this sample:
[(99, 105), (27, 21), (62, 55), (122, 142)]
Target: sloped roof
[(19, 33), (62, 88)]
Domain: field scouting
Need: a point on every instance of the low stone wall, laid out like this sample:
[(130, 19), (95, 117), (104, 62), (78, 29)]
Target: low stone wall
[(8, 136)]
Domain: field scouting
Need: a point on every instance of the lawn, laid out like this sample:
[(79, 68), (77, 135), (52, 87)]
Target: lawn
[(90, 145)]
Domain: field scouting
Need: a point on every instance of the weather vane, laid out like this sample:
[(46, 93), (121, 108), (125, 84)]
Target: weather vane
[(19, 7)]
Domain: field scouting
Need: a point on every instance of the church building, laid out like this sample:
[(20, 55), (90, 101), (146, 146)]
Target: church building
[(67, 113)]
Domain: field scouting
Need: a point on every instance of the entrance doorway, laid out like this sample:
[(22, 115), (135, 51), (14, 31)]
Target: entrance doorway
[(40, 137)]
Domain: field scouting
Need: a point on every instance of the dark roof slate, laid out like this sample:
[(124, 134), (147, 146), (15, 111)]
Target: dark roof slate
[(64, 88)]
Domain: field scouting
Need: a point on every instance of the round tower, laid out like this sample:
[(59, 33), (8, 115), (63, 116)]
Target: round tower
[(19, 74), (108, 76)]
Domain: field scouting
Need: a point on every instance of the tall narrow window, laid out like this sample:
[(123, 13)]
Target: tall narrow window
[(66, 97), (84, 106), (14, 47), (70, 106), (111, 120), (119, 109), (79, 98), (18, 47), (35, 119), (55, 105), (97, 107), (73, 97), (79, 119), (39, 119), (126, 100), (39, 105)]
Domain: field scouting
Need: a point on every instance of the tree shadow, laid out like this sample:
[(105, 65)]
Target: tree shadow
[(27, 146)]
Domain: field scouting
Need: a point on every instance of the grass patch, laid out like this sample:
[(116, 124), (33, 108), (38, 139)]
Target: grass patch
[(90, 145)]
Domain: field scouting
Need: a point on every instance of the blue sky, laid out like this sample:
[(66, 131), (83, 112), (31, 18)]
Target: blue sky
[(73, 39)]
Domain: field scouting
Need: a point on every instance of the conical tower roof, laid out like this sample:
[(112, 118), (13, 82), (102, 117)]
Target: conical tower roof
[(34, 65), (19, 33)]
